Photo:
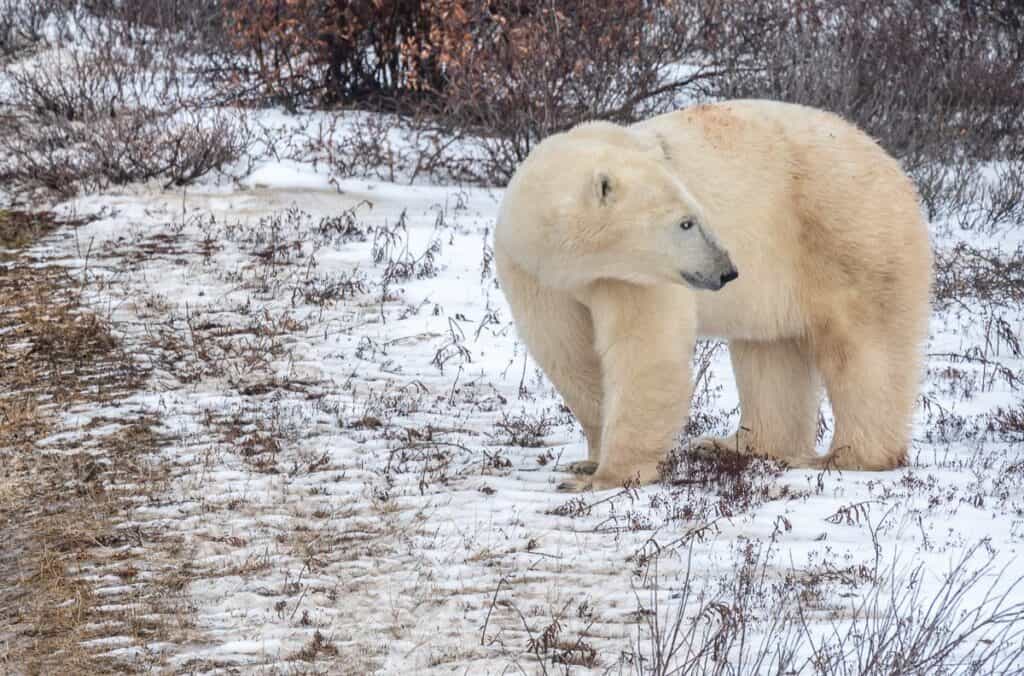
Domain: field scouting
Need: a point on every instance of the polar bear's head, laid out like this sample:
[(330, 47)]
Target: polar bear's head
[(602, 202)]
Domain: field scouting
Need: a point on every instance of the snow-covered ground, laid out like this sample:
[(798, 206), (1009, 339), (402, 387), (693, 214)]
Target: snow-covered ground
[(361, 467)]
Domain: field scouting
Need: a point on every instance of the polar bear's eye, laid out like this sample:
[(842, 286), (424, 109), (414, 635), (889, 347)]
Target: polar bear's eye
[(602, 186), (687, 224)]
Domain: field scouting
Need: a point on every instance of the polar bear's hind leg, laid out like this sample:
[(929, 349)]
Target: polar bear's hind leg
[(779, 392)]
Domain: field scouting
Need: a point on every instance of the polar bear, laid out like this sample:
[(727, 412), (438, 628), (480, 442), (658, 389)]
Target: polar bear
[(780, 228)]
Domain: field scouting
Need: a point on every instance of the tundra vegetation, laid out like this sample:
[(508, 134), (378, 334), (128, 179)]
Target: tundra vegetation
[(262, 406)]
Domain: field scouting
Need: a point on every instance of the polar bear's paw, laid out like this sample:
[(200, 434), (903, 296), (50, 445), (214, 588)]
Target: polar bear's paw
[(582, 467), (711, 447), (602, 480)]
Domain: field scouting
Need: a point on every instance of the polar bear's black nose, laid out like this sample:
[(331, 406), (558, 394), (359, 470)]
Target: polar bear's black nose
[(729, 276)]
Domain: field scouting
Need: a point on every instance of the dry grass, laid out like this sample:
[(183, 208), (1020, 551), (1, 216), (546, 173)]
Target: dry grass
[(18, 229), (61, 501)]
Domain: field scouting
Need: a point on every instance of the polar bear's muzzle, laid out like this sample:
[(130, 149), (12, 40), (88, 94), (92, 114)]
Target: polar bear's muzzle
[(708, 282), (717, 269)]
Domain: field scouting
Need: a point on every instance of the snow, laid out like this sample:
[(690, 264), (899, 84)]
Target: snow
[(286, 175), (395, 518)]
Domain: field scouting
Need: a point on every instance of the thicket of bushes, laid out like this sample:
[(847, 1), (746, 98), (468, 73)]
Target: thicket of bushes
[(471, 85), (939, 83)]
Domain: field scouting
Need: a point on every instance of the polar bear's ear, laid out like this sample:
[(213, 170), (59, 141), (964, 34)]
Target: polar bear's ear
[(602, 186)]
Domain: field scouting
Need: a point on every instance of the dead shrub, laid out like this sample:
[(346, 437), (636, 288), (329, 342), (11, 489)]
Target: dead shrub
[(929, 79), (110, 108), (969, 277), (476, 84), (49, 154), (22, 23), (396, 148), (1009, 422), (525, 429), (973, 620), (317, 646), (943, 88), (703, 488), (313, 52), (939, 84), (538, 69), (181, 27)]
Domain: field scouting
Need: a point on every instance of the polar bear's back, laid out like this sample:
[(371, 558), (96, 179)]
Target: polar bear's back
[(808, 205)]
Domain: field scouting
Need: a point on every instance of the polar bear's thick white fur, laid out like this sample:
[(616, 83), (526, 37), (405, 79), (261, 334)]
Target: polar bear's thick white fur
[(617, 247)]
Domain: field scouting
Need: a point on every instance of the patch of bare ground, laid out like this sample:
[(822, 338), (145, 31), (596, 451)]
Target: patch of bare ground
[(70, 574)]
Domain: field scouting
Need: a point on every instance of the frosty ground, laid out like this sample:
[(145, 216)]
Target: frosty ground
[(350, 465)]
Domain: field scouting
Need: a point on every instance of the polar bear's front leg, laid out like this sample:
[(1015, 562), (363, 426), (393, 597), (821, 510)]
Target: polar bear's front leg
[(559, 333), (644, 336)]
